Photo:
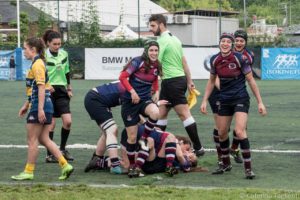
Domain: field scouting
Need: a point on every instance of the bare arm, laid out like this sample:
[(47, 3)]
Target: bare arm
[(41, 96), (187, 72), (209, 88), (251, 81)]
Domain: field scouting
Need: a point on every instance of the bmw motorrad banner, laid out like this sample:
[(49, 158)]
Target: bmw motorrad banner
[(107, 63), (280, 63)]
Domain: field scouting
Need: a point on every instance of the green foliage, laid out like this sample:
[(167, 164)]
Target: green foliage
[(87, 31), (24, 28), (43, 22), (177, 5)]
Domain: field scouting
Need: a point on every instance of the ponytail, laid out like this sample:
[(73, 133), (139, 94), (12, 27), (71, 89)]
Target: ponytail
[(37, 43)]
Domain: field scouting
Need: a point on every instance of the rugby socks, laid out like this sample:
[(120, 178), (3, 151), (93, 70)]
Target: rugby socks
[(170, 151), (191, 128), (162, 124), (64, 138), (235, 142), (141, 158), (225, 152), (149, 125), (131, 153), (62, 161), (115, 162), (217, 143), (51, 134), (245, 147), (29, 168)]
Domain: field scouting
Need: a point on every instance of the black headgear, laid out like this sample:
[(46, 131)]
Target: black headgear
[(241, 33), (148, 44)]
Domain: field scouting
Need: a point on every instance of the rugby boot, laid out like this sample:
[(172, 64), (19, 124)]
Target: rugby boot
[(23, 176), (236, 155), (222, 168), (67, 155), (66, 171), (249, 174)]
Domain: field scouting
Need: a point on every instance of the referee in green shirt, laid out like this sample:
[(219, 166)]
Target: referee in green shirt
[(176, 79), (57, 64)]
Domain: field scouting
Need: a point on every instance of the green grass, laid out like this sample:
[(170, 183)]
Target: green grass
[(79, 192), (279, 130)]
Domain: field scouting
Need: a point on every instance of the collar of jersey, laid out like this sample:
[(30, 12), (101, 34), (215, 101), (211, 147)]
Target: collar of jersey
[(49, 53)]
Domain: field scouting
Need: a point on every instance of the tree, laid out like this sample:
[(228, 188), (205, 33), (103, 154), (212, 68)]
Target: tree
[(43, 22), (24, 28)]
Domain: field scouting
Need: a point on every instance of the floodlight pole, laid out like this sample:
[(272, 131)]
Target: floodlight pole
[(18, 23), (245, 16), (139, 30), (220, 18)]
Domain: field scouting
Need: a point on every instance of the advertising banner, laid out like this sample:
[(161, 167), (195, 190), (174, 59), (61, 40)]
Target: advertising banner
[(5, 71), (280, 63), (107, 63)]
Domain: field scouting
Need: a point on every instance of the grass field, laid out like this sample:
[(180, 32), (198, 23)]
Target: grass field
[(277, 173)]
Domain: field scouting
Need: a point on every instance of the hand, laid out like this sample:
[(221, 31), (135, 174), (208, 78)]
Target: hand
[(135, 97), (70, 93), (155, 97), (203, 108), (23, 111), (163, 102), (41, 116), (262, 109), (51, 89), (191, 85)]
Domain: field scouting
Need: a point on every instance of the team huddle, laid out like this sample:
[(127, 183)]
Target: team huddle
[(146, 146)]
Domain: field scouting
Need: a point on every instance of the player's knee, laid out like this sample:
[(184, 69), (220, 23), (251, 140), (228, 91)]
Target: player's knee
[(171, 138), (67, 124), (153, 112)]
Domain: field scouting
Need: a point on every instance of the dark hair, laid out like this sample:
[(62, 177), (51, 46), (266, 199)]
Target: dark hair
[(38, 43), (49, 35), (146, 59), (158, 18)]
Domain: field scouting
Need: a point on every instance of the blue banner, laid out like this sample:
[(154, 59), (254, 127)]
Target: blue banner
[(21, 66), (4, 64), (280, 63)]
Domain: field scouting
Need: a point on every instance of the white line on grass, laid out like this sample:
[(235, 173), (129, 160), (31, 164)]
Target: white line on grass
[(89, 146)]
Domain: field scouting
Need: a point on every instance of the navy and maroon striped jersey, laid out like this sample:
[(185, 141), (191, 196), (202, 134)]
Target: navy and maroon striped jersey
[(139, 79), (231, 70), (111, 93)]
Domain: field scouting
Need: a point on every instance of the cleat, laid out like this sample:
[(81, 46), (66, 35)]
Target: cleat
[(249, 174), (51, 159), (220, 164), (67, 155), (135, 173), (199, 152), (236, 155), (222, 168), (94, 164), (116, 170), (66, 172), (23, 176), (143, 144), (171, 171)]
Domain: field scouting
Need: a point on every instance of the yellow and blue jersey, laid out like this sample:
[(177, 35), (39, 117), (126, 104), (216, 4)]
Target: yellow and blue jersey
[(37, 75)]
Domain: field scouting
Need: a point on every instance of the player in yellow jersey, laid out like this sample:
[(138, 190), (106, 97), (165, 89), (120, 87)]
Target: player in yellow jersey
[(40, 112)]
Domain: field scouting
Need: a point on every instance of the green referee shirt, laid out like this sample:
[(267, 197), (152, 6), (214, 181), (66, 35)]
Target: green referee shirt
[(58, 67), (170, 55)]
